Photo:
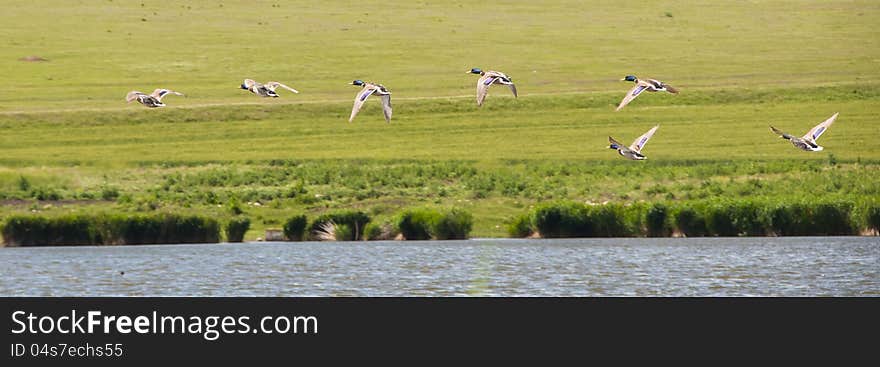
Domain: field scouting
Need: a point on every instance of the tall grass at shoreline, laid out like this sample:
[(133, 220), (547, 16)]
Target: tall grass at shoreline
[(719, 218), (32, 230), (347, 225), (236, 229), (295, 228), (562, 219), (428, 223)]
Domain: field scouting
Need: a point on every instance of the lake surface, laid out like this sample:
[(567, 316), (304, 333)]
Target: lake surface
[(791, 266)]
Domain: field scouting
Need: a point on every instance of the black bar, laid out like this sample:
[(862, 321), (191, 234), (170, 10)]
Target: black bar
[(376, 329)]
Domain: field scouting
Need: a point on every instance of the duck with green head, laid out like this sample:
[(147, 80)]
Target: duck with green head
[(808, 141), (650, 85), (634, 151), (368, 89), (487, 78)]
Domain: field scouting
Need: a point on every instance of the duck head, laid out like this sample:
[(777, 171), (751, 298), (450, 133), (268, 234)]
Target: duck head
[(243, 86), (613, 146), (475, 71), (357, 82), (630, 78)]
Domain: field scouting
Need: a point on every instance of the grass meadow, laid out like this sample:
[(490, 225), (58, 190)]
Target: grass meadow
[(69, 144)]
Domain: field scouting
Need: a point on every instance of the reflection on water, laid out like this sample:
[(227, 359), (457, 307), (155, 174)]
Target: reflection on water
[(805, 266)]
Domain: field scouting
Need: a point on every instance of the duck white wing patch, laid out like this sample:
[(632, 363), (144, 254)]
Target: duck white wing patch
[(640, 142), (633, 93), (359, 101), (820, 129)]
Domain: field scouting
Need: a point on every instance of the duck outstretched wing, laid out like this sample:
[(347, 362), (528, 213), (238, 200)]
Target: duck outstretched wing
[(359, 101), (640, 142), (781, 133), (248, 83), (386, 106), (615, 142), (820, 129), (161, 93), (483, 87), (131, 96), (504, 79), (274, 85), (631, 95)]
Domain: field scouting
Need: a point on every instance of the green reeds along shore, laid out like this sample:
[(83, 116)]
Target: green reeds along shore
[(723, 218), (236, 228), (563, 219), (115, 229), (428, 224), (71, 147), (33, 230)]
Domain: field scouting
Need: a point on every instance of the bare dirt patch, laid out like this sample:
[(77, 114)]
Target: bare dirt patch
[(32, 59)]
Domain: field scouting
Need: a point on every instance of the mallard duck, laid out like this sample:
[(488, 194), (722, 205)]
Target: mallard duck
[(368, 90), (650, 85), (808, 141), (264, 90), (151, 100), (487, 78), (634, 151)]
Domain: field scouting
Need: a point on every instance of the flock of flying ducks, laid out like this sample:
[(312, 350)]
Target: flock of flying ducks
[(487, 79)]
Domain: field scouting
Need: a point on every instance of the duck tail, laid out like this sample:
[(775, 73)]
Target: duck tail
[(670, 89)]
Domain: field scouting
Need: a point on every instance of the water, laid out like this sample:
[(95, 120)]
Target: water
[(806, 266)]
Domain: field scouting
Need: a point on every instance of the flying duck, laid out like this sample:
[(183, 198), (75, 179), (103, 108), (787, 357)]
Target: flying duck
[(151, 100), (808, 141), (368, 90), (634, 151), (264, 90), (487, 78), (651, 85)]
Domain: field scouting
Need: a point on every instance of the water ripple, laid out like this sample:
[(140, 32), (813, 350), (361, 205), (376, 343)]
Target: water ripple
[(814, 266)]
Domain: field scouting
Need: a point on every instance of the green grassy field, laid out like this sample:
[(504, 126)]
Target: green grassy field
[(69, 142)]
